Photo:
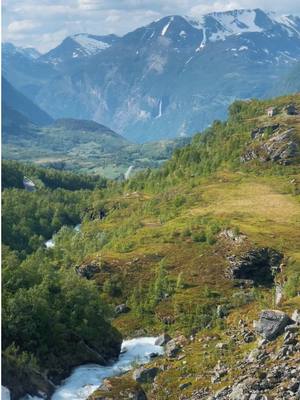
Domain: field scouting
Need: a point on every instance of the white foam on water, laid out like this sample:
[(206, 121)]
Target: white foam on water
[(87, 378), (5, 394)]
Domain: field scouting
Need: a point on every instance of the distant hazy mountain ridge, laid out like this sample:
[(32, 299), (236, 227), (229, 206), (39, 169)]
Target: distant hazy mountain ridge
[(168, 79)]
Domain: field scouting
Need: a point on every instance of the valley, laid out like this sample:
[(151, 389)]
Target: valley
[(30, 135), (175, 252)]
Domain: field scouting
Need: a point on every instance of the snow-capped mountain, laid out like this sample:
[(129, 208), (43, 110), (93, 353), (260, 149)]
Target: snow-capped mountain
[(173, 76), (28, 52), (220, 25), (77, 47)]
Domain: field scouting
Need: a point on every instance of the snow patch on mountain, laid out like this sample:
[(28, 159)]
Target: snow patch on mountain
[(220, 25), (166, 27), (290, 23), (203, 43), (89, 44)]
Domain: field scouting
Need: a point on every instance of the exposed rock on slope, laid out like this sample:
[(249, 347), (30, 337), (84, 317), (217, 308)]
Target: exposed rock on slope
[(272, 323), (282, 147), (258, 265)]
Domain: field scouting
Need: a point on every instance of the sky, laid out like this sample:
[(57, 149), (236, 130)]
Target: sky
[(43, 24)]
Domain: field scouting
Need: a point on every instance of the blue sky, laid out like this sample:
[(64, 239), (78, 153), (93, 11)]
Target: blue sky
[(45, 23)]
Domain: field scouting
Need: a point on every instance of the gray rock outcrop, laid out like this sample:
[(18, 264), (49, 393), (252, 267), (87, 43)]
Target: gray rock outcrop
[(144, 374), (272, 323), (162, 340)]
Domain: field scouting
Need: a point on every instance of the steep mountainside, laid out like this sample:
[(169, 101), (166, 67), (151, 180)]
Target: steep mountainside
[(13, 99), (290, 83), (23, 71), (172, 77)]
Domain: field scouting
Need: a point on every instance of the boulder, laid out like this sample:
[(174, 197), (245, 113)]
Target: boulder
[(258, 265), (183, 386), (232, 236), (121, 309), (172, 349), (290, 109), (162, 340), (272, 323), (174, 346), (144, 374), (241, 391)]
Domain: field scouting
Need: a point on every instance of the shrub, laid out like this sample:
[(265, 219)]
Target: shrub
[(199, 237)]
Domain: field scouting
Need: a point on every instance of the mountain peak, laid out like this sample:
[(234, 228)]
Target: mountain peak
[(92, 44), (77, 46), (29, 52), (219, 25)]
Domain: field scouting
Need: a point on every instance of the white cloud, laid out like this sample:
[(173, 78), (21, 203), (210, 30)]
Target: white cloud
[(43, 23), (25, 25)]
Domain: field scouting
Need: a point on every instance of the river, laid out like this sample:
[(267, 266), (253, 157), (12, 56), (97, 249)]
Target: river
[(85, 379), (50, 243)]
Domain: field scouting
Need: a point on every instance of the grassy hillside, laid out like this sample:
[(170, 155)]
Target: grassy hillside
[(162, 243), (78, 145)]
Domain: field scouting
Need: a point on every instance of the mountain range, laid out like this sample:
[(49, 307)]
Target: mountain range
[(30, 134), (168, 79)]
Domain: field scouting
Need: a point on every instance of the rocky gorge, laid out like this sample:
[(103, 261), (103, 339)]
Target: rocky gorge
[(270, 370)]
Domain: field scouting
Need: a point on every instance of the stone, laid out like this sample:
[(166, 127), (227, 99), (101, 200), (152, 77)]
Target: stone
[(290, 109), (121, 309), (292, 328), (144, 374), (272, 323), (221, 311), (294, 386), (249, 337), (233, 236), (278, 294), (241, 391), (174, 346), (289, 338), (172, 349), (184, 385), (153, 355), (162, 340), (221, 346), (296, 317), (256, 355)]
